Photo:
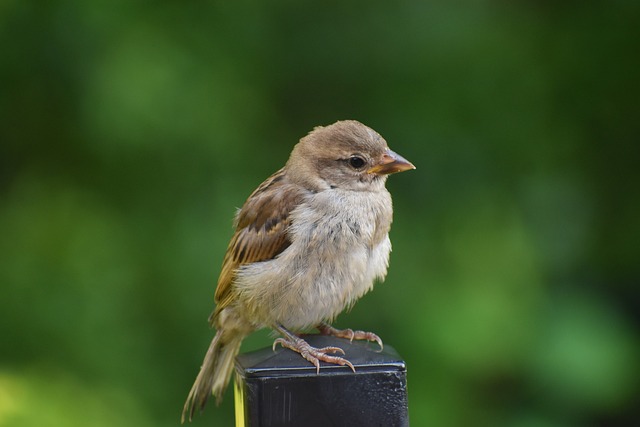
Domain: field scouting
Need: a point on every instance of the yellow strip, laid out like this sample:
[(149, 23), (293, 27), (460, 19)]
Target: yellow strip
[(238, 395)]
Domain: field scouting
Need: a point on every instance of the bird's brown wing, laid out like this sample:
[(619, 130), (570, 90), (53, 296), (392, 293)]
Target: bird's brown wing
[(261, 232)]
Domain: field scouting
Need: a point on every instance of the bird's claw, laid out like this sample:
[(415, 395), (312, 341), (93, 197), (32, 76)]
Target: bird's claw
[(350, 334), (313, 354)]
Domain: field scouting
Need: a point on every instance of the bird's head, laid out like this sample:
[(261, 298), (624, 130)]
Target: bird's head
[(346, 155)]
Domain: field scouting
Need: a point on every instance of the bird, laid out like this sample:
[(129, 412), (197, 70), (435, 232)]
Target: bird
[(308, 243)]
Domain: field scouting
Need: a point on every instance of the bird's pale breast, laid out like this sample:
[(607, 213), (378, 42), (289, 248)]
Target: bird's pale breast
[(340, 245)]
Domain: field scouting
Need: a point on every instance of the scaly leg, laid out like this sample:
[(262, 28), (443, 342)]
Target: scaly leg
[(312, 354), (350, 334)]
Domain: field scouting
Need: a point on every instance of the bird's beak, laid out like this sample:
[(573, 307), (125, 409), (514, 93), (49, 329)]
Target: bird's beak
[(389, 163)]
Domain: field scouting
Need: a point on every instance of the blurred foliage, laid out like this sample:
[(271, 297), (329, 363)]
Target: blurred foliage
[(130, 130)]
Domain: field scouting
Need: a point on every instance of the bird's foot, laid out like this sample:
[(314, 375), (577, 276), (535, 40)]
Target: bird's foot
[(313, 354), (350, 334)]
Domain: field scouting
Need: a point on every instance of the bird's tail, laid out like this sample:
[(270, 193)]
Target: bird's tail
[(214, 374)]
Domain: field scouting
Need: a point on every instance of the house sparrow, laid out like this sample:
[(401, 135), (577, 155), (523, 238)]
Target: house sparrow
[(309, 242)]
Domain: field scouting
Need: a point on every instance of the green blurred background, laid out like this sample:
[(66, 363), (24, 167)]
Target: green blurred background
[(131, 130)]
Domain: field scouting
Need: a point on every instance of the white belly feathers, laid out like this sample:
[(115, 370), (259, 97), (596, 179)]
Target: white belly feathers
[(337, 255)]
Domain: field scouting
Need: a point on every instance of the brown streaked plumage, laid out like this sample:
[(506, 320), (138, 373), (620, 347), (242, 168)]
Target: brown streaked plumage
[(309, 242), (260, 232)]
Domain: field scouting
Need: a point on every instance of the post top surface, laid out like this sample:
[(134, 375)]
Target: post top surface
[(364, 356)]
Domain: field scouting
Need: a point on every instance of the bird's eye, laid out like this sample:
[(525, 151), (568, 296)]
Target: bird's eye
[(356, 162)]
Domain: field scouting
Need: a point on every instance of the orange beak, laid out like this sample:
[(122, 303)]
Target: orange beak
[(389, 163)]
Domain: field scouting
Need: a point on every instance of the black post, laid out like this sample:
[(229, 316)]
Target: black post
[(282, 389)]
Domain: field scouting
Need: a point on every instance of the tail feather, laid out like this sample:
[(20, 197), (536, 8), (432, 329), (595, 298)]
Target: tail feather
[(214, 374)]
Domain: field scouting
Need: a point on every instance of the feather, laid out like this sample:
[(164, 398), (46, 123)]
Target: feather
[(261, 232)]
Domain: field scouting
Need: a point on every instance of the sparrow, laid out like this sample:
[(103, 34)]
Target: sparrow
[(308, 243)]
